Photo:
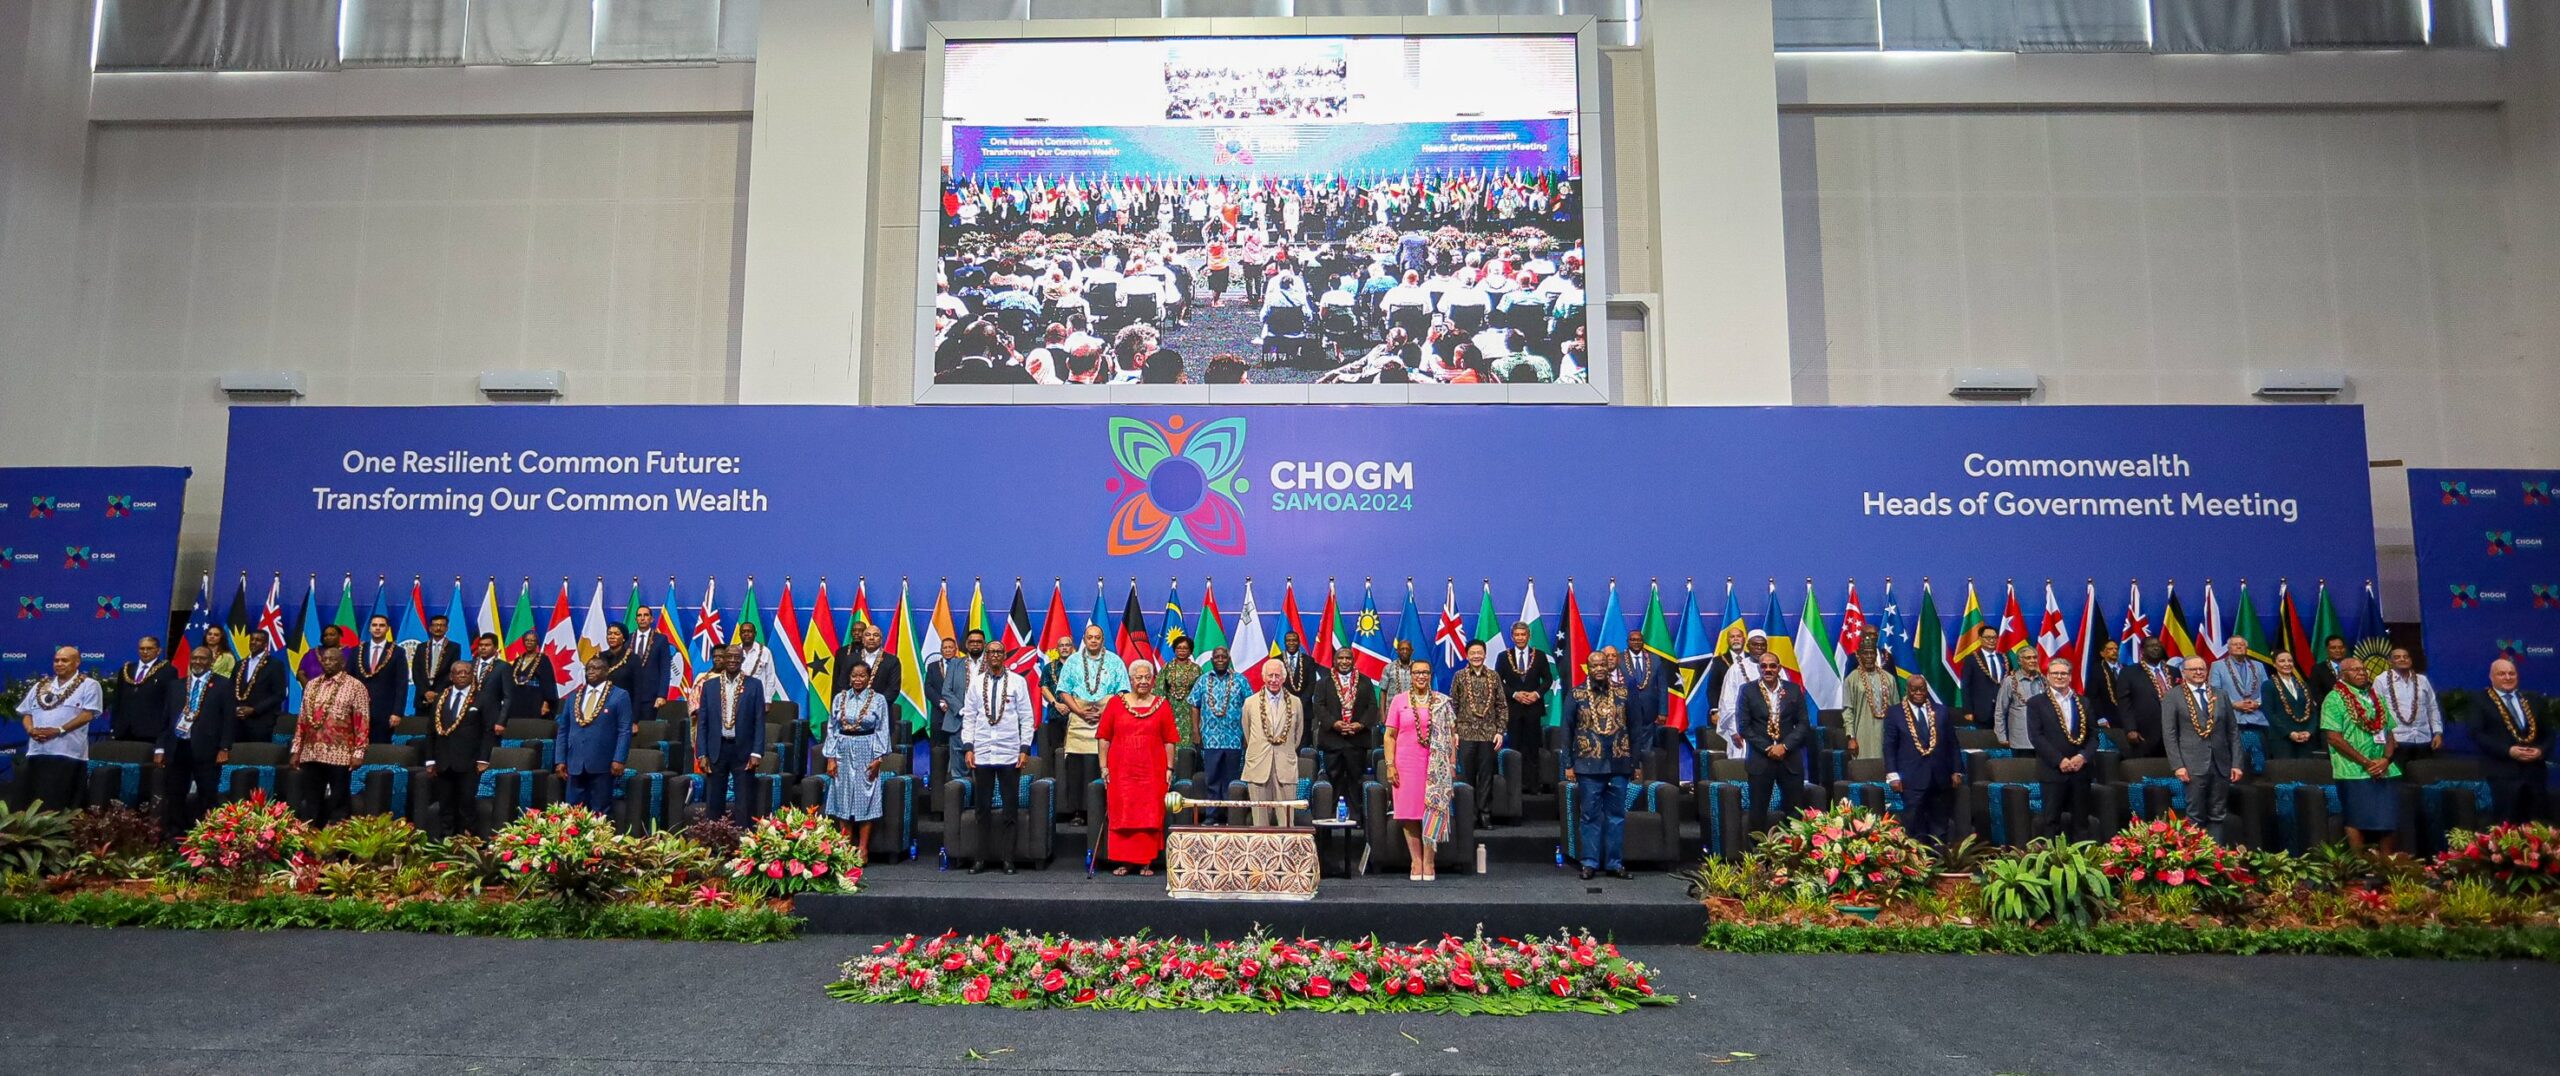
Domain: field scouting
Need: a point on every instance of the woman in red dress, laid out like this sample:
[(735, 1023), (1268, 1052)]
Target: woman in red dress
[(1137, 737)]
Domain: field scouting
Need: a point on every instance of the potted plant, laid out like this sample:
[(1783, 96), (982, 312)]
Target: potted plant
[(1960, 860), (1852, 856)]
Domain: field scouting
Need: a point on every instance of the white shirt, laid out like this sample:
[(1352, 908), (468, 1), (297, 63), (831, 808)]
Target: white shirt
[(2415, 715), (998, 740), (757, 663), (85, 698), (1744, 670)]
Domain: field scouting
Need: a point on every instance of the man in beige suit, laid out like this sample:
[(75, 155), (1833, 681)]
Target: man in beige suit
[(1271, 719)]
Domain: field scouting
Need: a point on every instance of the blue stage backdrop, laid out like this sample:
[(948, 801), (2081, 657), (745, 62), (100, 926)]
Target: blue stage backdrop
[(88, 556), (2488, 573), (1505, 493)]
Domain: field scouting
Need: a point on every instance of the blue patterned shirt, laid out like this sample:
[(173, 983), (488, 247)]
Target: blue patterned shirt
[(1220, 697)]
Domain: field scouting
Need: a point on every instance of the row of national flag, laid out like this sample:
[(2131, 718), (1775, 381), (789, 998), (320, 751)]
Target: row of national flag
[(1817, 648)]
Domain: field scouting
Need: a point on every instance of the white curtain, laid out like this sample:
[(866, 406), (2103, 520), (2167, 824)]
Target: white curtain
[(157, 35), (738, 21), (2359, 24), (280, 35), (530, 32), (1826, 24), (2219, 26), (2466, 24), (2083, 25), (1981, 25), (657, 31), (402, 33)]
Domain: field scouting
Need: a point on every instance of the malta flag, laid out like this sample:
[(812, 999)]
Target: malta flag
[(1250, 649), (2013, 623), (560, 642), (2053, 634)]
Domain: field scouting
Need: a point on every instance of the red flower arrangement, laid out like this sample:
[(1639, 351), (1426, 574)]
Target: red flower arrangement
[(2520, 859), (1846, 852), (1259, 973), (2170, 852), (796, 850), (565, 851), (243, 836)]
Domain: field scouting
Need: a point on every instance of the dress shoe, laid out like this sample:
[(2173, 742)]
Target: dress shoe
[(1588, 874), (1008, 868), (976, 867), (1624, 874)]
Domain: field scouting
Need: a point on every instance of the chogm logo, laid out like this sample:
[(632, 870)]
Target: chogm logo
[(75, 556), (1176, 487), (40, 507), (119, 505), (109, 607), (2511, 649), (2466, 596), (2456, 492), (2501, 543), (2546, 596), (30, 606), (2538, 492)]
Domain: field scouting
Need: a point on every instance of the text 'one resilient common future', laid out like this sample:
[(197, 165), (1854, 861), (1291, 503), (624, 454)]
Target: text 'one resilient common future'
[(555, 495)]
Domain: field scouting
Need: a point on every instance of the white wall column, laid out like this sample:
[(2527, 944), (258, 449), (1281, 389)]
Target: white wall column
[(808, 205), (1722, 243), (2532, 117), (44, 164)]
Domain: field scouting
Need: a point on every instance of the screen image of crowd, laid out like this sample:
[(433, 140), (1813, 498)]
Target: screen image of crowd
[(1449, 278), (1315, 90)]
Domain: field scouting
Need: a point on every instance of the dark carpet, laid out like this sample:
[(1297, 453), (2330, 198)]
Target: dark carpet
[(134, 1001)]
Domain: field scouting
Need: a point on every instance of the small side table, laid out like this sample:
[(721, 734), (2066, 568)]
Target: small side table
[(1336, 834)]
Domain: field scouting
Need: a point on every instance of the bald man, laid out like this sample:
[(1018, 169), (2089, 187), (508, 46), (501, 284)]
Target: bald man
[(2516, 735), (56, 713)]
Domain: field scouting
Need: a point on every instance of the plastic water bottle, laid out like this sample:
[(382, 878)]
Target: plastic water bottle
[(1341, 809)]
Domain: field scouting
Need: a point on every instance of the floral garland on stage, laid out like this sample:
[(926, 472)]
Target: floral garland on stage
[(1259, 973)]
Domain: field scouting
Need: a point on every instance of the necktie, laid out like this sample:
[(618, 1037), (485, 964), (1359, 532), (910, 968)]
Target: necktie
[(2204, 708)]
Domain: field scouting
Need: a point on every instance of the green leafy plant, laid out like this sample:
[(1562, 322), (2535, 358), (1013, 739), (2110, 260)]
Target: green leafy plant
[(2413, 942), (348, 880), (677, 860), (1963, 857), (494, 918), (2469, 902), (466, 866), (1720, 878), (2283, 872), (117, 866), (34, 841), (2048, 881), (243, 837), (2178, 903), (795, 850), (375, 839), (567, 852), (2520, 859), (1846, 852)]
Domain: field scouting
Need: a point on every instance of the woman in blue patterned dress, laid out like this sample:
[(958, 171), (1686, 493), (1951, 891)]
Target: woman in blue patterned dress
[(857, 740)]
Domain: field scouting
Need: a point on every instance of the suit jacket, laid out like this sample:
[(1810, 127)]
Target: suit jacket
[(1302, 675), (387, 690), (594, 748), (527, 692), (1982, 688), (2195, 754), (946, 689), (1326, 708), (749, 727), (1902, 755), (2493, 729), (265, 694), (1265, 760), (471, 740), (886, 676), (2322, 680), (1793, 730), (1591, 747), (428, 663), (1535, 674), (2142, 703), (214, 726), (2053, 746), (143, 709), (646, 674), (1648, 690)]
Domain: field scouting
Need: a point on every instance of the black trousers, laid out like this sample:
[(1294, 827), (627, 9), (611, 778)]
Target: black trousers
[(1342, 766), (1076, 772), (457, 798), (729, 787), (1929, 813), (1528, 735), (2521, 799), (324, 792), (259, 729), (937, 763), (997, 825), (52, 780), (2072, 797), (1475, 767), (183, 768), (1778, 780)]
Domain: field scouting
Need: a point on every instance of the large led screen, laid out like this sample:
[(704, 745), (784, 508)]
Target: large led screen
[(1271, 210)]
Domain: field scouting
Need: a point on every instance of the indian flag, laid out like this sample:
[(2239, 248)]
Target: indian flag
[(936, 630)]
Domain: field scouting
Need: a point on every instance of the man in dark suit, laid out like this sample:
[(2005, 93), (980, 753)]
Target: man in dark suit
[(384, 671), (428, 661), (1343, 707), (1923, 762), (1984, 671), (1300, 676), (458, 741), (528, 690), (2144, 688), (1775, 729), (257, 692), (730, 733), (1527, 676), (870, 647), (140, 707), (2199, 733), (2516, 735), (650, 668), (1646, 678), (195, 743), (594, 738), (2323, 676), (2066, 751)]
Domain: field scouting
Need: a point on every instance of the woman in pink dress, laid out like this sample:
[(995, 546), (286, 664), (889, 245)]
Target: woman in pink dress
[(1422, 764), (1137, 737)]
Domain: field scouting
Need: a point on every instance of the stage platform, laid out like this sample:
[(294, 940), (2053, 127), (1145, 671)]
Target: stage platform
[(919, 898)]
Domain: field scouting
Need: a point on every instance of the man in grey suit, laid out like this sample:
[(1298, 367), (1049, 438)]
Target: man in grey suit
[(2196, 728), (946, 690)]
